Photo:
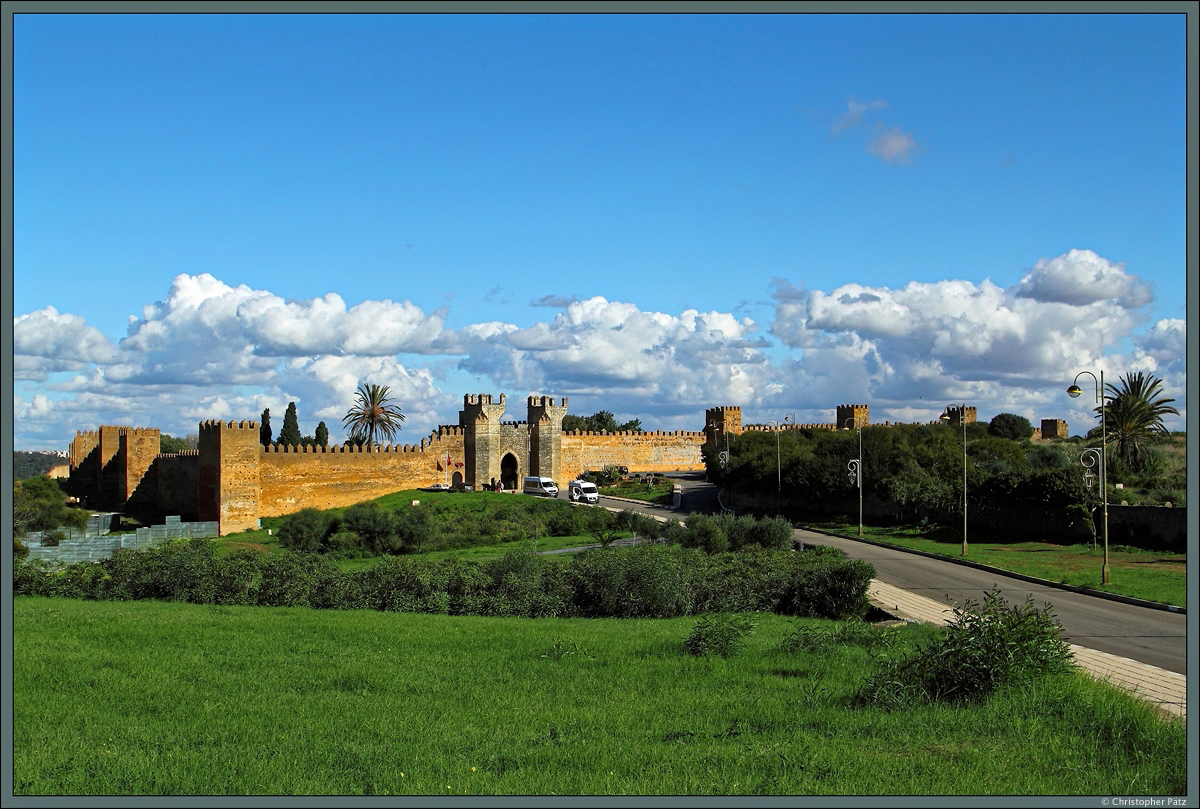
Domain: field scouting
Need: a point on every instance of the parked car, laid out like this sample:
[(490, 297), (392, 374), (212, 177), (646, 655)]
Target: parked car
[(437, 487)]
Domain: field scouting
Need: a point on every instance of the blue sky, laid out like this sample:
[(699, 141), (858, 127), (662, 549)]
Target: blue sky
[(650, 214)]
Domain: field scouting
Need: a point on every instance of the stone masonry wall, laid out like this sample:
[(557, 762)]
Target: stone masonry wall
[(289, 481), (228, 475), (641, 452), (177, 480)]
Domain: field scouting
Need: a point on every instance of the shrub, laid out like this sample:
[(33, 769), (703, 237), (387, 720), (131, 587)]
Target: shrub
[(643, 581), (305, 530), (828, 587), (721, 633), (376, 527), (20, 551), (1010, 426), (705, 533), (985, 647), (53, 538)]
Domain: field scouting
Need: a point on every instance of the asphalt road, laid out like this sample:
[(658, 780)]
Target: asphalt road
[(1145, 634)]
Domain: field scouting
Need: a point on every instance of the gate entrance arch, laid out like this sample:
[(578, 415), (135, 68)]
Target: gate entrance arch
[(510, 472)]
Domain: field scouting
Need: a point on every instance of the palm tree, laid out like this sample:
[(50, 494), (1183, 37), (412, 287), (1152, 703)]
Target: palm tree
[(1133, 413), (372, 416)]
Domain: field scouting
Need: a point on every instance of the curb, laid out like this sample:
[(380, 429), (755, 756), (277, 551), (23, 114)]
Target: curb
[(1074, 588)]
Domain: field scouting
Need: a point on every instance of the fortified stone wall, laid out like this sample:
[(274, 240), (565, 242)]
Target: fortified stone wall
[(227, 481), (319, 477), (545, 436), (177, 480), (138, 447), (641, 452), (852, 416)]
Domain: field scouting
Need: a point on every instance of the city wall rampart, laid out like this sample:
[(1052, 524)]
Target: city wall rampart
[(233, 480), (293, 478), (642, 452)]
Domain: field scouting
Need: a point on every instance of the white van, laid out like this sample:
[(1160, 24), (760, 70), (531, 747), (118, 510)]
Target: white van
[(581, 491), (540, 486)]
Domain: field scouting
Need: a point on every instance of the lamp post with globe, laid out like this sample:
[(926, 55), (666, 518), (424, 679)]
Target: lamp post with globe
[(1091, 456)]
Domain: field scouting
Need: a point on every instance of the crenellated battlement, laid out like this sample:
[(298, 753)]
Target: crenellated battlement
[(545, 401), (234, 480), (853, 415), (343, 449), (217, 424), (482, 399)]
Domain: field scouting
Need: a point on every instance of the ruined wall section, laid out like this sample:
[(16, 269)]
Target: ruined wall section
[(292, 478), (545, 436), (1053, 428), (228, 474), (642, 452)]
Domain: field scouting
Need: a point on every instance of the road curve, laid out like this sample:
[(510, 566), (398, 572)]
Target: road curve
[(1153, 636)]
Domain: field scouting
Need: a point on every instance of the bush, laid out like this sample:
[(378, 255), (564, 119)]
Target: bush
[(1010, 426), (643, 581), (721, 633), (305, 530), (984, 648), (705, 533), (828, 587), (376, 527)]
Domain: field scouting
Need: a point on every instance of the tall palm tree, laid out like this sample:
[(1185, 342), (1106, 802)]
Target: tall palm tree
[(1133, 413), (372, 415)]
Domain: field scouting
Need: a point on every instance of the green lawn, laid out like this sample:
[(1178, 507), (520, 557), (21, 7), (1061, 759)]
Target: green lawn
[(153, 698), (1150, 575)]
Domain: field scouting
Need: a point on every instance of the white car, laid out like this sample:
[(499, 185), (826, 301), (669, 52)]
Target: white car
[(437, 487), (581, 491)]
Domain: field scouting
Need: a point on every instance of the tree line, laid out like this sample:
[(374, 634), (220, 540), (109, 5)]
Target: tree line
[(914, 472)]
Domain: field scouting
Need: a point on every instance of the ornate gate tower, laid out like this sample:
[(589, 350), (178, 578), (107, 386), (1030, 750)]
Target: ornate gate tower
[(545, 437), (480, 419)]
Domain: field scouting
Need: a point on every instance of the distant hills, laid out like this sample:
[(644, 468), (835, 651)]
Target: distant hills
[(27, 464)]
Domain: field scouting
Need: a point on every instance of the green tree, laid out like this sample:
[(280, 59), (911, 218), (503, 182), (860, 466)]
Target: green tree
[(372, 416), (264, 428), (1010, 426), (1133, 415), (322, 438), (604, 421), (289, 435), (40, 505), (168, 444)]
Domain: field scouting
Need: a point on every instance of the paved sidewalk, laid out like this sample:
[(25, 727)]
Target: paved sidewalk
[(1166, 689)]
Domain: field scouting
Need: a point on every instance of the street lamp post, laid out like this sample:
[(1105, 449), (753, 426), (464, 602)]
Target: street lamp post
[(1074, 391), (856, 474), (723, 458), (962, 418), (790, 417)]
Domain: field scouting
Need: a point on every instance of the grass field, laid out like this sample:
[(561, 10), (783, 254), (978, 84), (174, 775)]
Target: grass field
[(152, 698), (1150, 575)]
